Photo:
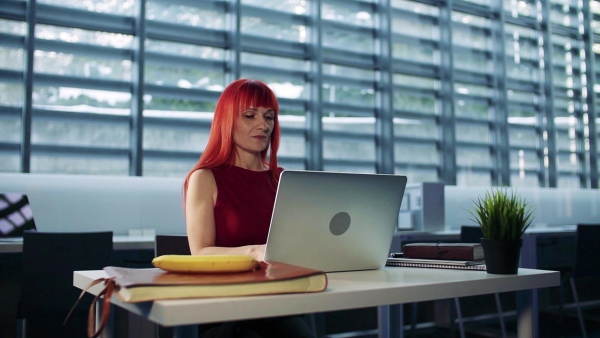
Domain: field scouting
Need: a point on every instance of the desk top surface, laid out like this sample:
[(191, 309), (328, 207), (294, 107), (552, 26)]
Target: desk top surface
[(120, 242), (346, 290)]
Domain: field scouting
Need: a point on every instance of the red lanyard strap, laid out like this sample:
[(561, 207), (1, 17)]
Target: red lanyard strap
[(107, 291)]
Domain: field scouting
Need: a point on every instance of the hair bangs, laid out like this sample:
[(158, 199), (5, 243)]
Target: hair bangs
[(254, 94)]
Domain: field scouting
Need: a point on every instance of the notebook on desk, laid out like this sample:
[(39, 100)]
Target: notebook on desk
[(334, 221), (16, 216)]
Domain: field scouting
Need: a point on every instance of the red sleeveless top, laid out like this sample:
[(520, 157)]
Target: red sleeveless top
[(245, 200)]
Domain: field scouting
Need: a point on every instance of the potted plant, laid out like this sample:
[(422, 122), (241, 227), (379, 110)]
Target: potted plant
[(503, 219)]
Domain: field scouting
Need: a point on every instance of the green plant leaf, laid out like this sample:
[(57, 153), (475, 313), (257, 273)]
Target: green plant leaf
[(502, 215)]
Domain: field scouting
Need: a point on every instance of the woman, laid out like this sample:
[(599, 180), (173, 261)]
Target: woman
[(230, 192)]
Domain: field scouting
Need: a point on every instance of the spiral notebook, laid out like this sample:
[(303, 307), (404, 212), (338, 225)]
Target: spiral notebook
[(436, 263)]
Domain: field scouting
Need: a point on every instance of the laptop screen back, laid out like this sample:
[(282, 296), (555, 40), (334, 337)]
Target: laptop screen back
[(334, 221), (15, 215)]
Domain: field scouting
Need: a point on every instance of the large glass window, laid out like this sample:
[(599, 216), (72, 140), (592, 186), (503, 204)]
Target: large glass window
[(12, 63), (466, 93), (416, 55), (524, 104), (348, 86)]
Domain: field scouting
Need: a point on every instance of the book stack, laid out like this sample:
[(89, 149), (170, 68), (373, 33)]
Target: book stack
[(464, 256), (143, 285), (139, 285)]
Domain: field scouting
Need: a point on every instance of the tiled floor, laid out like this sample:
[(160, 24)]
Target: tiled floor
[(551, 326)]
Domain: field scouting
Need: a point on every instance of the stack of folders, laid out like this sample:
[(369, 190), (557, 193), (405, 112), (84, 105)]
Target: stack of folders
[(464, 256)]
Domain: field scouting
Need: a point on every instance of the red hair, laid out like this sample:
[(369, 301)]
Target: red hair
[(220, 149)]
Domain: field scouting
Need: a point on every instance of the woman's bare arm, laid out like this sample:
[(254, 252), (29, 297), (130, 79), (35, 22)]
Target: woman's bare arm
[(200, 219)]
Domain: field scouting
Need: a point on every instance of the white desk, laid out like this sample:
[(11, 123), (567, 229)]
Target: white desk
[(120, 242), (346, 290)]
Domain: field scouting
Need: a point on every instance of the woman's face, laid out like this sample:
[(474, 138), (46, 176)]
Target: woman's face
[(253, 129)]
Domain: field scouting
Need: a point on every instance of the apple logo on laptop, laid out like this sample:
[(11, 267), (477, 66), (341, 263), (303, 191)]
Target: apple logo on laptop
[(340, 223)]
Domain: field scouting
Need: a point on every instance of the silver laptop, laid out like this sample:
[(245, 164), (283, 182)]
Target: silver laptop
[(16, 216), (334, 221)]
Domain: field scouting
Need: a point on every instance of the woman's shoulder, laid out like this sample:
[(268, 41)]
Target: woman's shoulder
[(202, 177)]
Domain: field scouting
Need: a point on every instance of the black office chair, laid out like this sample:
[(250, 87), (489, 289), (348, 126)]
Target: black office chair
[(170, 245), (470, 234), (473, 234), (47, 291), (586, 268)]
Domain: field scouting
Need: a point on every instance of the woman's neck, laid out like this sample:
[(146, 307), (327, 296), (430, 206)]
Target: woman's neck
[(249, 162)]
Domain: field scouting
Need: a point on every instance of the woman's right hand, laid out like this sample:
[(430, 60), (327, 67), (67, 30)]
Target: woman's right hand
[(258, 252)]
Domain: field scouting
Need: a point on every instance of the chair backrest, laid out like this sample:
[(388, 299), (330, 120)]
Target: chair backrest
[(470, 234), (587, 250), (171, 245), (49, 260)]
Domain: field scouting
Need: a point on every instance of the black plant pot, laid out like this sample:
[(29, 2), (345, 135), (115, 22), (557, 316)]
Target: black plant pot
[(502, 256)]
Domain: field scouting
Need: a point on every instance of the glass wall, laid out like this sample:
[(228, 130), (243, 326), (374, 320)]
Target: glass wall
[(477, 92)]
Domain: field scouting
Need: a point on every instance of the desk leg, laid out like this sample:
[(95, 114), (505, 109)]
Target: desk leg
[(108, 331), (397, 321), (527, 300), (390, 321), (383, 319), (185, 331), (527, 313)]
